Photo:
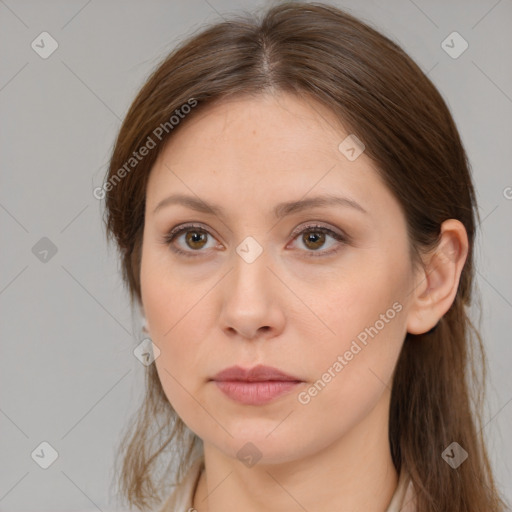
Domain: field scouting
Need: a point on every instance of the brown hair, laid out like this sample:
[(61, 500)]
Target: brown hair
[(383, 97)]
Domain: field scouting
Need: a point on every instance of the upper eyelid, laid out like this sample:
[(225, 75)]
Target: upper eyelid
[(318, 224), (312, 224)]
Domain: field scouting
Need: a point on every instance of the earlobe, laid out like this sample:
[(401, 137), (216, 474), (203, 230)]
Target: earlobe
[(437, 285), (144, 322), (145, 329)]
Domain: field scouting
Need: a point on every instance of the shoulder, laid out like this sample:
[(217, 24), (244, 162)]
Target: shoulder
[(182, 495)]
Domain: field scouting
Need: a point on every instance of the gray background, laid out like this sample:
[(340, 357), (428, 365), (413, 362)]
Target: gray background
[(68, 374)]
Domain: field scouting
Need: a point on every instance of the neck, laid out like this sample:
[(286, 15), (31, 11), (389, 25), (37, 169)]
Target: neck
[(354, 473)]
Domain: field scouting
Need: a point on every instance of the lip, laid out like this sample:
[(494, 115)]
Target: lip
[(258, 373), (255, 386)]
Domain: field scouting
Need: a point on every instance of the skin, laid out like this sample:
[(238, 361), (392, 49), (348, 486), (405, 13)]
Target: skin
[(285, 309)]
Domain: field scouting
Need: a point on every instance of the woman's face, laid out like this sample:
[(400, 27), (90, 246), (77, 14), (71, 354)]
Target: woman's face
[(255, 288)]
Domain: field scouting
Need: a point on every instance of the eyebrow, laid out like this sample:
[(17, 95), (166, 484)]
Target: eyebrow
[(280, 210)]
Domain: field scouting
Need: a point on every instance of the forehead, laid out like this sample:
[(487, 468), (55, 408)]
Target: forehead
[(256, 149), (279, 120)]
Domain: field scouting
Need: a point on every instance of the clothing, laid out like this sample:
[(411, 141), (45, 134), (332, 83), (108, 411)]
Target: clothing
[(180, 500)]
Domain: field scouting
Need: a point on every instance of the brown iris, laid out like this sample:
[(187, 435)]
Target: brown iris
[(314, 237), (195, 237)]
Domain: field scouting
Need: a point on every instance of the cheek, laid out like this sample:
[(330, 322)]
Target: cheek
[(355, 359), (172, 310), (165, 296), (174, 318)]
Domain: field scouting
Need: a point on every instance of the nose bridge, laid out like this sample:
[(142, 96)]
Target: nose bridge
[(251, 260), (249, 299)]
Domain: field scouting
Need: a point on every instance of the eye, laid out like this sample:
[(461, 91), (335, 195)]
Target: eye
[(313, 238), (195, 238)]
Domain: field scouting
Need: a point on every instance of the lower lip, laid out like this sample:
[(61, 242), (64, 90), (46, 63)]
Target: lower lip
[(255, 393)]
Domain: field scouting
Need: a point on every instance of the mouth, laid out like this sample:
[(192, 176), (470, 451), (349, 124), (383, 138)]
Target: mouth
[(256, 386)]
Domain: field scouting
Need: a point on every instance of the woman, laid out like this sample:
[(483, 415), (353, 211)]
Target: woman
[(295, 217)]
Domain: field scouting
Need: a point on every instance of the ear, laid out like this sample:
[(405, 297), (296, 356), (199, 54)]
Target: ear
[(436, 284)]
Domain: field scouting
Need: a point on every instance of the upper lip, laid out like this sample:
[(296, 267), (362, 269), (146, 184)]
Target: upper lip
[(256, 374)]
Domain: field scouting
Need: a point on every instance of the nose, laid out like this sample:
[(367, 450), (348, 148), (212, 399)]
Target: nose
[(252, 300)]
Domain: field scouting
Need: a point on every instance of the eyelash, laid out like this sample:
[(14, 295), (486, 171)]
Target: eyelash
[(174, 233)]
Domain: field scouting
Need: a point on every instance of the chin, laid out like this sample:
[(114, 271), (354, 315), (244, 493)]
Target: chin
[(255, 446)]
